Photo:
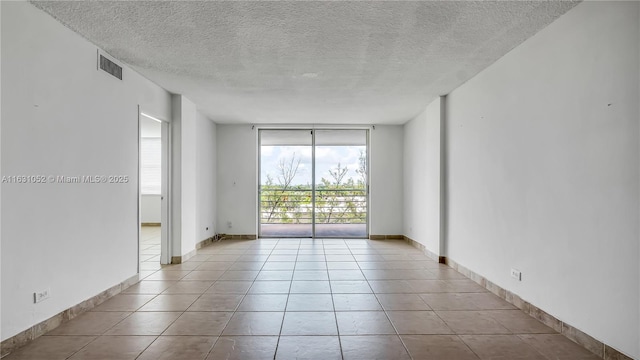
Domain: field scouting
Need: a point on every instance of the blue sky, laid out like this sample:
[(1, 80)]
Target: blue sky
[(327, 157)]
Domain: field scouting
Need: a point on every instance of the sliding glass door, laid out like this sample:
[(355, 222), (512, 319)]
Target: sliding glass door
[(313, 183), (286, 183), (340, 183)]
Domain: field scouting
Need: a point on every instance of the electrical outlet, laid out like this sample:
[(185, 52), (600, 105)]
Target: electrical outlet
[(229, 224), (41, 296), (516, 274)]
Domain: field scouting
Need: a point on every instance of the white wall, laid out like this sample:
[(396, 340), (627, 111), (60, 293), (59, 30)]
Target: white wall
[(543, 171), (422, 178), (237, 182), (237, 179), (1, 173), (385, 180), (60, 116), (176, 175), (205, 177), (188, 190), (638, 31), (193, 180), (150, 208)]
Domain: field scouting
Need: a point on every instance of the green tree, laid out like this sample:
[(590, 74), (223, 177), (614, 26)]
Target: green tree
[(276, 197), (362, 169), (339, 199)]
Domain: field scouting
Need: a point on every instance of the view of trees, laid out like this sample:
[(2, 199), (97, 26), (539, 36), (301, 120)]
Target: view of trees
[(339, 199)]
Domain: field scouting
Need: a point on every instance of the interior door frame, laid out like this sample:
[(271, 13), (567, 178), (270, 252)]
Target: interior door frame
[(313, 168), (165, 192)]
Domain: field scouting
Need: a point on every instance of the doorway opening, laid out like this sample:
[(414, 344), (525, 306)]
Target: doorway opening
[(313, 183), (153, 243)]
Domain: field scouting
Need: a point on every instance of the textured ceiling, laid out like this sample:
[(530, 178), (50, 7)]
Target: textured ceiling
[(308, 62)]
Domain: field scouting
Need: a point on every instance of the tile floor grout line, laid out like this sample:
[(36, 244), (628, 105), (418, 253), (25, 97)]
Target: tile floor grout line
[(80, 349), (386, 314), (333, 303), (148, 346), (390, 269), (230, 317), (178, 317), (107, 330), (284, 313)]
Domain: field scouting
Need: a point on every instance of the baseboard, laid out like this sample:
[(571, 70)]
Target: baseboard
[(240, 237), (25, 337), (150, 224), (578, 336), (206, 242), (386, 237), (424, 249), (183, 258)]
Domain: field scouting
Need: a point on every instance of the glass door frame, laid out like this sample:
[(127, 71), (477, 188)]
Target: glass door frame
[(312, 129)]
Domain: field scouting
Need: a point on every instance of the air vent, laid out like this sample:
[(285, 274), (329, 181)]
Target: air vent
[(109, 66)]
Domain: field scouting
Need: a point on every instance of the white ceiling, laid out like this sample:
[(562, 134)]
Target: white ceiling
[(309, 62)]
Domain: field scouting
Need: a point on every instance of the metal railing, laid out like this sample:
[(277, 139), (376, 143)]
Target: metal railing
[(296, 206)]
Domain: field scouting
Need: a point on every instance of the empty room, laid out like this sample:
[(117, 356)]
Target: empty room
[(210, 180)]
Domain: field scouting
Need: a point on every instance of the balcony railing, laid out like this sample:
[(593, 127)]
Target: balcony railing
[(295, 206)]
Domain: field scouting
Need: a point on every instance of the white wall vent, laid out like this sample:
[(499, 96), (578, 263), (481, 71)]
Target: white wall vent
[(106, 64)]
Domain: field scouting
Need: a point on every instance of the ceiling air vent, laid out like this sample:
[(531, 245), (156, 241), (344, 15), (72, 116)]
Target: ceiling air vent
[(109, 66)]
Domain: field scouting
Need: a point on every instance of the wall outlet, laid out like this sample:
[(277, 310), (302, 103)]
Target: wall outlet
[(516, 274), (229, 224), (41, 295)]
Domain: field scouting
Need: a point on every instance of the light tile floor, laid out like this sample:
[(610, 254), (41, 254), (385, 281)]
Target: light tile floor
[(308, 299), (149, 249)]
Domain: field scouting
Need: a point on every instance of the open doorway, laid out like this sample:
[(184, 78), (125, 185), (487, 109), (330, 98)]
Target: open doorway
[(153, 201)]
